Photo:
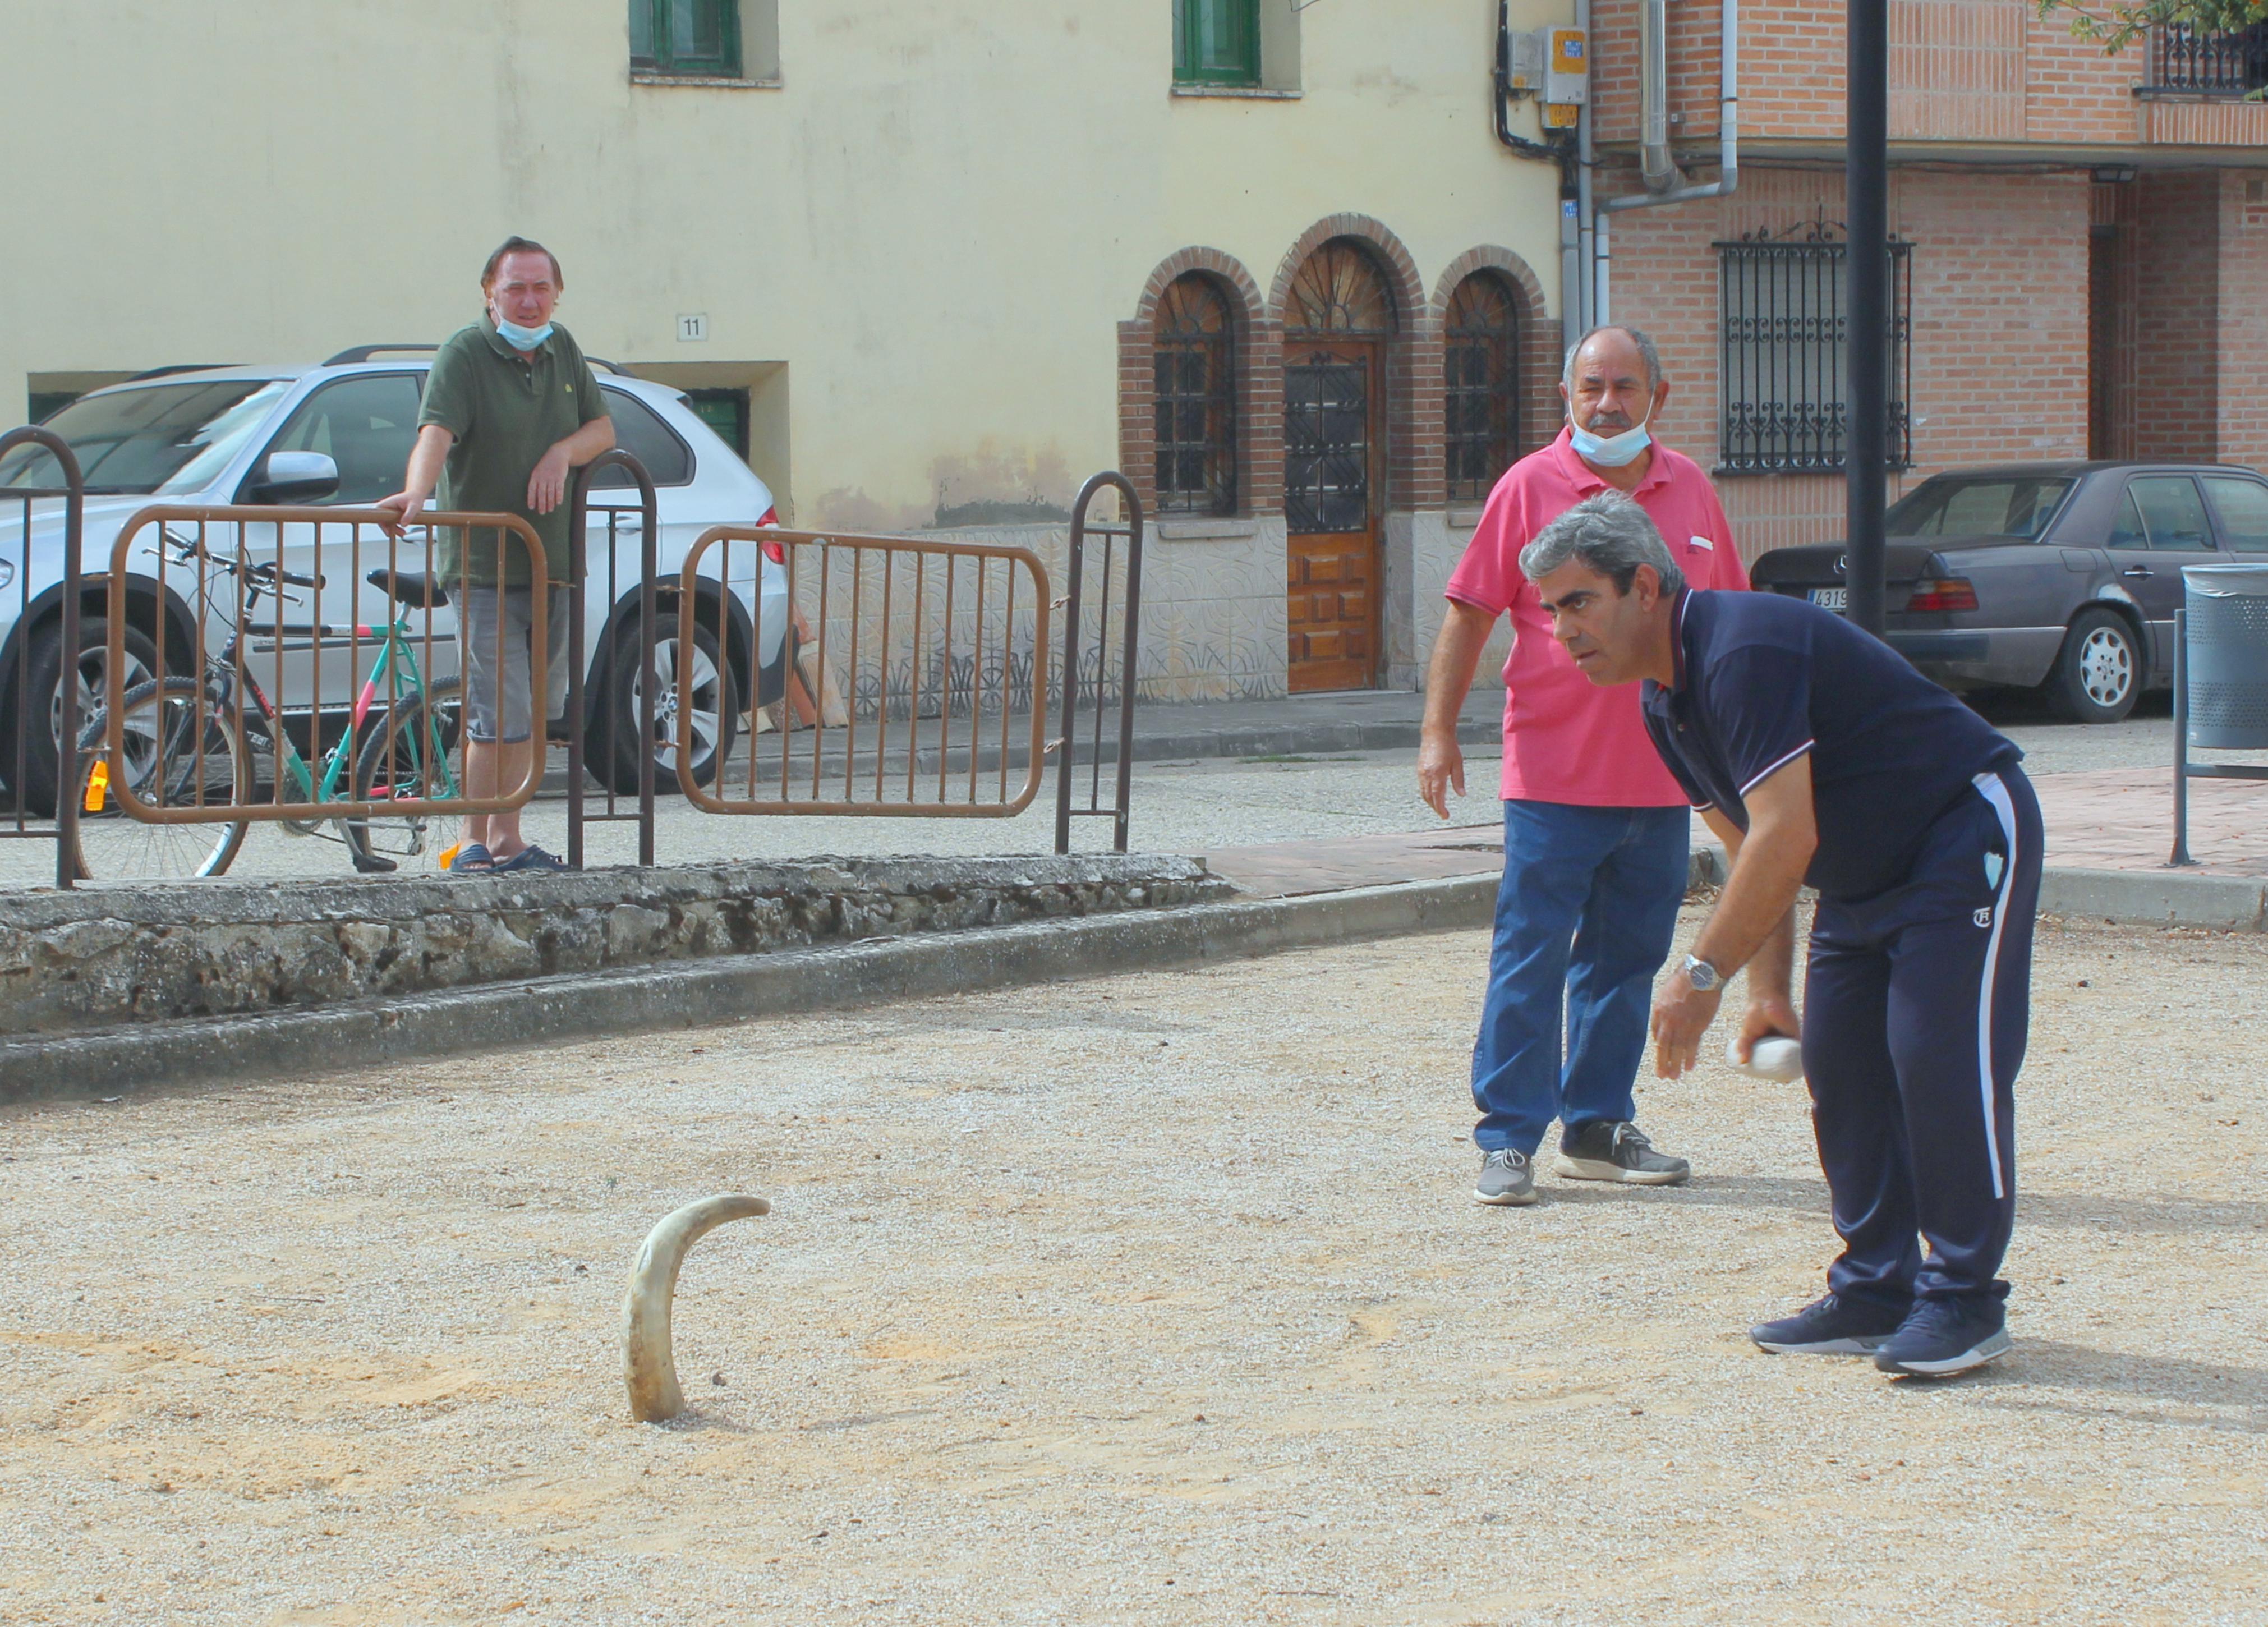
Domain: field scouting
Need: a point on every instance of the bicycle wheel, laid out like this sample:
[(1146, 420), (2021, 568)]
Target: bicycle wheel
[(409, 754), (177, 750)]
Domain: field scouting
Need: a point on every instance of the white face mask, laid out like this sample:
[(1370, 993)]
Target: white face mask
[(1610, 451)]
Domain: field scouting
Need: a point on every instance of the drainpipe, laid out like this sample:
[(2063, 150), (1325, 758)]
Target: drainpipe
[(1656, 167), (1584, 303), (1654, 103)]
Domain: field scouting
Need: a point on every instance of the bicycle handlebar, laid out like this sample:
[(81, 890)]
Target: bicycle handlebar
[(268, 572)]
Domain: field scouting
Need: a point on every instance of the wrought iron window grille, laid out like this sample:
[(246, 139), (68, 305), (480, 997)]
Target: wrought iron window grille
[(1194, 351), (1481, 364), (2191, 59), (1783, 377)]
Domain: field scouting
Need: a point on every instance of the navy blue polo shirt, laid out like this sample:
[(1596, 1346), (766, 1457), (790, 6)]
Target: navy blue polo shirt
[(1763, 679)]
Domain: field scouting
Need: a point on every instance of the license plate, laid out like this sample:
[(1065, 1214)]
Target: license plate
[(1831, 598)]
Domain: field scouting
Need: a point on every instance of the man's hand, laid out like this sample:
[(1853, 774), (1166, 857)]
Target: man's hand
[(1448, 678), (1768, 1014), (1440, 766), (548, 484), (1681, 1015), (404, 507), (425, 460)]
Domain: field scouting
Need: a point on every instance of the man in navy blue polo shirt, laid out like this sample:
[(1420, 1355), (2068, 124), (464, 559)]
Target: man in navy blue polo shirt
[(1818, 755)]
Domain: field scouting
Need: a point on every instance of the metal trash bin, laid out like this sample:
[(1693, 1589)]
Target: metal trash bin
[(2228, 655)]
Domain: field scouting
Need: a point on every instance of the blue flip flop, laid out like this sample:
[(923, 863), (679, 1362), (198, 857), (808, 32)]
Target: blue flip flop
[(532, 857), (473, 859)]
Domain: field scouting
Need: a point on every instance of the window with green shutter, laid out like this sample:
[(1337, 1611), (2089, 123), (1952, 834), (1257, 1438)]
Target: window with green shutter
[(1217, 41), (695, 36)]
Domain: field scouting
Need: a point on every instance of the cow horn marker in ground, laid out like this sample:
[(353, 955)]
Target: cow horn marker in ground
[(649, 1364)]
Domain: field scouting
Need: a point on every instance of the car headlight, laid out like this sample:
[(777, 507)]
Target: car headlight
[(7, 573)]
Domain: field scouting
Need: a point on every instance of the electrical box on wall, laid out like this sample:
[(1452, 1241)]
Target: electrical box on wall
[(1567, 68), (1524, 74)]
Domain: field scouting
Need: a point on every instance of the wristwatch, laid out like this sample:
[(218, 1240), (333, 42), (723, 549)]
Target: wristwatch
[(1701, 974)]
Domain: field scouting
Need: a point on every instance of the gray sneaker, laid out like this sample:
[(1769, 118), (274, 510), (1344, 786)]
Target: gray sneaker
[(1617, 1150), (1507, 1178)]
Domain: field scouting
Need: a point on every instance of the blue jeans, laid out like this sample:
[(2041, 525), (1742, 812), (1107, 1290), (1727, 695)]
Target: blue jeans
[(1587, 911)]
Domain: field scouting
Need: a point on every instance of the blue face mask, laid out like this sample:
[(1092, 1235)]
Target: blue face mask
[(1609, 451), (521, 338)]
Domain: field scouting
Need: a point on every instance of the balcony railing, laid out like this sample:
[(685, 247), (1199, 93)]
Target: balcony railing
[(2188, 59)]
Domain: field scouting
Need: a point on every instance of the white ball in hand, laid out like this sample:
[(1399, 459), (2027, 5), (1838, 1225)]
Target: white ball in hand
[(1773, 1057)]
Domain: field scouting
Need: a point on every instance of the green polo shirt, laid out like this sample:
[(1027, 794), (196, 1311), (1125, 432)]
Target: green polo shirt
[(505, 413)]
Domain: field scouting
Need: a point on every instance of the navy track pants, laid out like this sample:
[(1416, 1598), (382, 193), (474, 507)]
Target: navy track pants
[(1915, 1006)]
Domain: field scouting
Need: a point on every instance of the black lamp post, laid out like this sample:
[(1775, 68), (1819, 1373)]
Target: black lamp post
[(1866, 265)]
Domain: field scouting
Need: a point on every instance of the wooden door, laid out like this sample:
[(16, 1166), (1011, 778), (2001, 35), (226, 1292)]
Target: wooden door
[(1332, 447)]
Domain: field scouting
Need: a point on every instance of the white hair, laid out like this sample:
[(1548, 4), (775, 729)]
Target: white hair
[(1647, 350)]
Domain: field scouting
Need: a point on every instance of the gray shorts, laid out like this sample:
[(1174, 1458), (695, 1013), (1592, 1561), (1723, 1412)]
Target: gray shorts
[(500, 714)]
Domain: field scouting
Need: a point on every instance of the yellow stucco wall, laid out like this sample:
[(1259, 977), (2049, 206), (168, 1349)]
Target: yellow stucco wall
[(934, 223)]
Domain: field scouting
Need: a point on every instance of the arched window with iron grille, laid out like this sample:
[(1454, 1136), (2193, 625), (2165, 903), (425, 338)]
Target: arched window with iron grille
[(1481, 363), (1194, 347)]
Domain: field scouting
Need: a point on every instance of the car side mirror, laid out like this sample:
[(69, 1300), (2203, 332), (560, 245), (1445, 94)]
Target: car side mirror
[(295, 477)]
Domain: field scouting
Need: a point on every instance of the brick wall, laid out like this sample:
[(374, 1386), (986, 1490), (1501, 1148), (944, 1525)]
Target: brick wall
[(2177, 356), (1959, 70), (2243, 329), (2074, 93), (2000, 315), (2204, 123), (2000, 276)]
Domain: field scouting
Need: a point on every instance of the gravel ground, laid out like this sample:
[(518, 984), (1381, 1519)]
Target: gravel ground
[(1153, 1299), (1178, 807)]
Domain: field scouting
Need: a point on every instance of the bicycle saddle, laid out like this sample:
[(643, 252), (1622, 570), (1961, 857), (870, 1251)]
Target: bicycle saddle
[(418, 591)]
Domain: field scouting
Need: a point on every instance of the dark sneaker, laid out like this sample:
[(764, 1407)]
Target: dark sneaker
[(1940, 1337), (1830, 1326), (1506, 1177), (1617, 1150)]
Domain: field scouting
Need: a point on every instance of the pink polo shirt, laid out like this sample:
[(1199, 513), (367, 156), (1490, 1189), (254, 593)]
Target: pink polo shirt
[(1565, 739)]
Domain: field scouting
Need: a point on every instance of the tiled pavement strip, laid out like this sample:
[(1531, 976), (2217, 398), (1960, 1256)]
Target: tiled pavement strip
[(2109, 819)]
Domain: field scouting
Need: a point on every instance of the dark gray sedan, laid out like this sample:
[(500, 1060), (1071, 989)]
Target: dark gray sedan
[(2061, 577)]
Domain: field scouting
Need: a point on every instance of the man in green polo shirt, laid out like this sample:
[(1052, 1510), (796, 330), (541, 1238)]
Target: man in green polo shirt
[(510, 407)]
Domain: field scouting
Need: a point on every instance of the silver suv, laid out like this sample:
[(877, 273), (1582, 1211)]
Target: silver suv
[(212, 435)]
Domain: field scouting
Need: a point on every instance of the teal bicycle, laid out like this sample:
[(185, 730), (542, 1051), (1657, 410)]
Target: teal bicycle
[(217, 740)]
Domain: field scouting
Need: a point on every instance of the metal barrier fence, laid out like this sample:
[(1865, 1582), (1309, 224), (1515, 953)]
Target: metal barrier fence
[(616, 736), (40, 762), (936, 640), (349, 724), (298, 667), (1077, 675)]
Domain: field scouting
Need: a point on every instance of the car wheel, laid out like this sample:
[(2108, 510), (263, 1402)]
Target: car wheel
[(2097, 674), (711, 694), (43, 669)]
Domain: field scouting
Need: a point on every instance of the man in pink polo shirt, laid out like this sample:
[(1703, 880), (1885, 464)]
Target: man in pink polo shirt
[(1594, 829)]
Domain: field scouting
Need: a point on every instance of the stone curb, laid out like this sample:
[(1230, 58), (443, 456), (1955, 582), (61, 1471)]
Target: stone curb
[(2163, 898), (687, 994)]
